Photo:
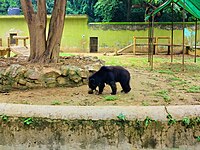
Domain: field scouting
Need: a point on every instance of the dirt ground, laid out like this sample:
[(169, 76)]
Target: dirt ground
[(148, 88)]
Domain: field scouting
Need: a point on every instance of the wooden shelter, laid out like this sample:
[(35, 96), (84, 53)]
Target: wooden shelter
[(191, 6)]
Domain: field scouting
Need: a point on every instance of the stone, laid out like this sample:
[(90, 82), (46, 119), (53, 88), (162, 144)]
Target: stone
[(65, 70), (22, 81), (75, 78), (84, 73), (30, 85), (51, 73), (33, 74), (62, 80), (93, 67)]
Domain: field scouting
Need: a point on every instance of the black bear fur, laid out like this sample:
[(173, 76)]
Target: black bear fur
[(110, 75)]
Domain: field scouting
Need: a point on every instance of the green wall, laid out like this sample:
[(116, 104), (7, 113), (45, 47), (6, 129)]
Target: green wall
[(111, 36), (114, 36)]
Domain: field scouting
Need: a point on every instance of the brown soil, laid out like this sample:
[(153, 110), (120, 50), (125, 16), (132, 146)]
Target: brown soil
[(145, 88)]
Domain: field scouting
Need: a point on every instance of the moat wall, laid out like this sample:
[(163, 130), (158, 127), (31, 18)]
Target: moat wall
[(102, 127)]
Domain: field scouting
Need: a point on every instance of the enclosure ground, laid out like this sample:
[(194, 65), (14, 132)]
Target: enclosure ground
[(158, 87)]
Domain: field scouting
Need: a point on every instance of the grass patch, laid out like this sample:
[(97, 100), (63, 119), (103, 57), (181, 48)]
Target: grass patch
[(175, 79), (145, 103), (177, 83), (65, 54), (194, 89), (164, 94), (56, 103), (125, 61), (169, 72), (111, 98)]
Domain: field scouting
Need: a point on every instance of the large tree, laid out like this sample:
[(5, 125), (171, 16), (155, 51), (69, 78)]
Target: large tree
[(44, 48)]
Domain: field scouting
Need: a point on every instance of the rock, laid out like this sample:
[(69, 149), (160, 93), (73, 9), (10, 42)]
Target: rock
[(84, 73), (22, 81), (51, 73), (14, 70), (65, 70), (62, 80), (30, 85), (75, 78), (93, 67), (33, 74)]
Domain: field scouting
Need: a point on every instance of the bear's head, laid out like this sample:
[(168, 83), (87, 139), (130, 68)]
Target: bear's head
[(92, 85)]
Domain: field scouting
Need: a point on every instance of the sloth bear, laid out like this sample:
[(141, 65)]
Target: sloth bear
[(110, 75)]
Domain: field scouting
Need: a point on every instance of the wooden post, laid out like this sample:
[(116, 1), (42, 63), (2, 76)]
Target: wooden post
[(134, 45), (0, 41), (195, 46), (172, 34), (156, 47), (8, 40), (24, 42), (8, 52), (183, 59)]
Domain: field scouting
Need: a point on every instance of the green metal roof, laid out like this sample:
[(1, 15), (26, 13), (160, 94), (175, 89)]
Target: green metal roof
[(192, 6)]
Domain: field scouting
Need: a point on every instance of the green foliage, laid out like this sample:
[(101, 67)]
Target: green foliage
[(121, 117), (197, 120), (3, 7), (147, 121), (171, 121), (194, 89), (56, 103), (111, 98), (4, 117), (178, 82), (164, 94), (105, 10), (166, 72), (198, 138), (145, 103), (65, 54), (28, 121), (186, 121)]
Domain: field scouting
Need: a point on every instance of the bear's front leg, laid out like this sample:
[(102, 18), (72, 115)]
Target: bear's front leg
[(113, 87), (101, 87)]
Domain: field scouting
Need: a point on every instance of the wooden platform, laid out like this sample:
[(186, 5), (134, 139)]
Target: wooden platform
[(20, 50)]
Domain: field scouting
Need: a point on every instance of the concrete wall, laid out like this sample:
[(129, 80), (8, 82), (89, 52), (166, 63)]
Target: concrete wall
[(74, 34), (111, 36), (98, 127)]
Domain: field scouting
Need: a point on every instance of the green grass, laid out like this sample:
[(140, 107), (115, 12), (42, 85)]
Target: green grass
[(194, 89), (164, 94), (56, 102), (66, 54), (125, 61), (175, 79), (111, 98), (177, 82), (160, 64), (166, 72)]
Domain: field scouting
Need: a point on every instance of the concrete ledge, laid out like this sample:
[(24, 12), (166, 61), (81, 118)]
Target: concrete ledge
[(97, 127), (99, 112)]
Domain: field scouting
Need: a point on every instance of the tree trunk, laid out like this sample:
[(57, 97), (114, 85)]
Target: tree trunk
[(42, 50), (129, 5), (30, 17), (55, 31)]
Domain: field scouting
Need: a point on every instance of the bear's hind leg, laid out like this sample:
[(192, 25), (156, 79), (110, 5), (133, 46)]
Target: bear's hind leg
[(125, 87)]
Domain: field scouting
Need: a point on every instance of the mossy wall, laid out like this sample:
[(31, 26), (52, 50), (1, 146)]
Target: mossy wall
[(95, 134), (111, 36)]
